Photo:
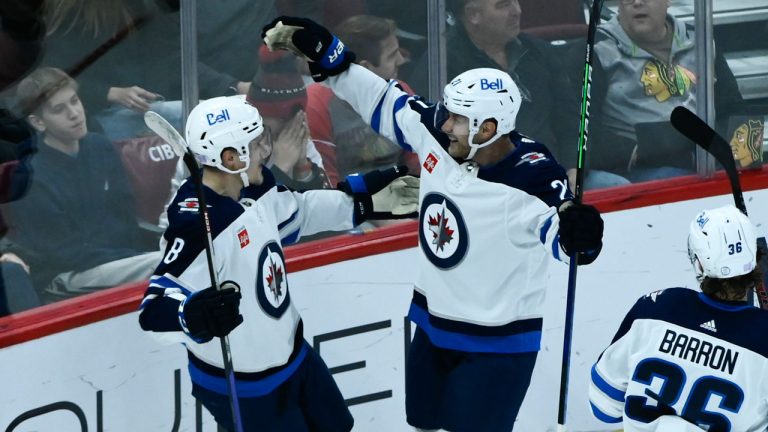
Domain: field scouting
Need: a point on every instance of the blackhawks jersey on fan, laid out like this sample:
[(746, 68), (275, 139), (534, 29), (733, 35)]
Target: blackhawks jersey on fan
[(247, 240), (485, 234), (679, 352)]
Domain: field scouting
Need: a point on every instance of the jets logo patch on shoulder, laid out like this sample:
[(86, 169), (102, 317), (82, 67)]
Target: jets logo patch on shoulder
[(532, 158), (443, 234), (431, 162), (271, 282)]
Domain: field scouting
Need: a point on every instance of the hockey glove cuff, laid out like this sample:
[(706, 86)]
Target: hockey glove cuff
[(581, 231), (383, 194), (327, 54), (211, 313)]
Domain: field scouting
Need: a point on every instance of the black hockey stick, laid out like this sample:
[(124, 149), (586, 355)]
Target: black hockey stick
[(696, 130), (169, 134), (594, 19)]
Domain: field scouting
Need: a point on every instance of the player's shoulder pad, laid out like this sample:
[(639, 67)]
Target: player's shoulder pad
[(654, 302), (428, 113)]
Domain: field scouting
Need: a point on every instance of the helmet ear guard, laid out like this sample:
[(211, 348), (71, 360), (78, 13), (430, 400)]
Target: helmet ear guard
[(217, 124), (484, 94), (722, 244)]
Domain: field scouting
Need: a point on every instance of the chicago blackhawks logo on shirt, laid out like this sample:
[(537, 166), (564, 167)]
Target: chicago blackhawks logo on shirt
[(271, 283), (442, 233)]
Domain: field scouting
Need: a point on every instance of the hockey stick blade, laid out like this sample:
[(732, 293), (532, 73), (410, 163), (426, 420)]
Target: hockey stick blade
[(695, 129), (164, 130)]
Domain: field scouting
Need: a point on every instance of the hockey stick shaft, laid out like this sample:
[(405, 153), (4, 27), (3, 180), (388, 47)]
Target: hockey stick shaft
[(594, 19), (168, 133), (698, 131)]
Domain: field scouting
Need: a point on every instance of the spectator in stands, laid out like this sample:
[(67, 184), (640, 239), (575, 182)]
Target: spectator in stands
[(127, 54), (644, 67), (345, 141), (486, 33), (747, 143), (76, 225), (280, 95)]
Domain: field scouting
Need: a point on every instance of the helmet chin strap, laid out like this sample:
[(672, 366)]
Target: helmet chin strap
[(473, 148), (244, 178)]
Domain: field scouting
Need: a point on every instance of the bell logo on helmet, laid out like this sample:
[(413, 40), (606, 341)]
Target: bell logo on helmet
[(217, 118), (491, 85)]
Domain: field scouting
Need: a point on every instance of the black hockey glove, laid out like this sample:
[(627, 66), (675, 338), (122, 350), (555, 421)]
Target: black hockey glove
[(383, 194), (581, 231), (210, 313), (327, 54)]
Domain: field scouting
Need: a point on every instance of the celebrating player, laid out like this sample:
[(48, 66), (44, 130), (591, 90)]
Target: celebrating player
[(281, 382), (493, 205), (689, 359)]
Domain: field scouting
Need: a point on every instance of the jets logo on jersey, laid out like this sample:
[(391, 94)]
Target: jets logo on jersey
[(242, 236), (532, 158), (430, 163), (271, 283), (442, 233), (190, 205)]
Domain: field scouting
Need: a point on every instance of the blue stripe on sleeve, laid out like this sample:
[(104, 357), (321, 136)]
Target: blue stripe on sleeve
[(556, 247), (290, 238), (287, 221), (399, 104), (603, 416), (609, 390), (376, 116), (544, 230)]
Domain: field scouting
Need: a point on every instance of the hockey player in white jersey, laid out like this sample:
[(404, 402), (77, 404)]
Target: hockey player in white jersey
[(281, 382), (693, 357), (488, 224)]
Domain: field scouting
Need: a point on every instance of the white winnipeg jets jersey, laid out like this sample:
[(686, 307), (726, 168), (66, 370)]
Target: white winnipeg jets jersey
[(485, 246), (681, 353), (247, 240)]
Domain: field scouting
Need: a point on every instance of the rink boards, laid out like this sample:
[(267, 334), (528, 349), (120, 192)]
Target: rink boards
[(85, 364)]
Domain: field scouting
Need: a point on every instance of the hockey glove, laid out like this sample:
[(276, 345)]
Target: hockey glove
[(581, 231), (327, 54), (211, 312), (383, 194)]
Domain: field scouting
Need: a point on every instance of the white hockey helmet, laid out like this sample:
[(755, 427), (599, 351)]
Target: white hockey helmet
[(220, 123), (722, 244), (482, 94)]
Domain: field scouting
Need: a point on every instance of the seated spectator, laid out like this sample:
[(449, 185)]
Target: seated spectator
[(345, 141), (76, 225), (645, 66), (486, 33), (280, 95)]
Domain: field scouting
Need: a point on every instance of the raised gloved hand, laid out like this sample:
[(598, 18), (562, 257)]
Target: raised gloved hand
[(211, 312), (383, 194), (581, 231), (327, 55)]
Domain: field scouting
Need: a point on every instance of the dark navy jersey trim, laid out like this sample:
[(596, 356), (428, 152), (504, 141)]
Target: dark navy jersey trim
[(213, 371), (249, 388), (513, 328), (255, 192), (687, 308), (376, 116), (544, 230), (725, 305), (516, 343)]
